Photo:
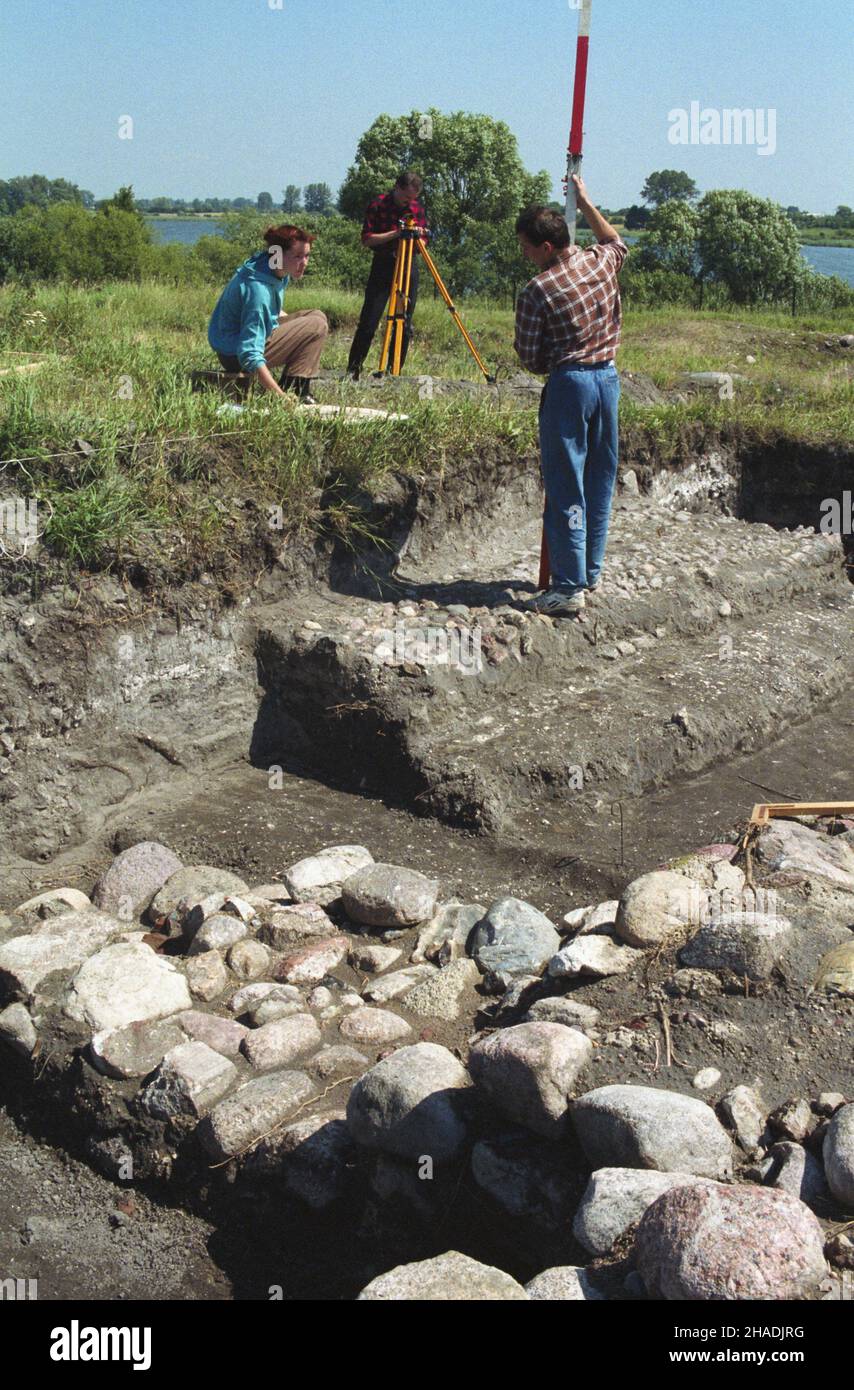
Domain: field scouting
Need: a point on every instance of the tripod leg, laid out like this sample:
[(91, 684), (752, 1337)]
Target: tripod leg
[(402, 305), (431, 266), (392, 309)]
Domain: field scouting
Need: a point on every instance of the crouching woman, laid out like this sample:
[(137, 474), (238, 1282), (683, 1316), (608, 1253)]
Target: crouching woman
[(250, 332)]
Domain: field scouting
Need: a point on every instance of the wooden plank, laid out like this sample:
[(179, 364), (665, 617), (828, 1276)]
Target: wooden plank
[(23, 367), (763, 811), (234, 385)]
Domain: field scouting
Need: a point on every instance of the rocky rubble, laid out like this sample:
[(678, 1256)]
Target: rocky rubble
[(353, 1035)]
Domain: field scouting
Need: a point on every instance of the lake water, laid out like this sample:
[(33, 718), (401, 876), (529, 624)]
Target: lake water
[(832, 260), (187, 230), (827, 260)]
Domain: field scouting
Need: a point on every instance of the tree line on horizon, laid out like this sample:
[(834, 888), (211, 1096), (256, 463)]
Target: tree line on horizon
[(729, 246), (665, 185)]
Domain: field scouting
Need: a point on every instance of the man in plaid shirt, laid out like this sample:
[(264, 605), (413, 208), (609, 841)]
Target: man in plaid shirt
[(381, 233), (568, 322)]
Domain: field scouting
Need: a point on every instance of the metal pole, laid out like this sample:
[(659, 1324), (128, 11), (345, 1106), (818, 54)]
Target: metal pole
[(576, 133)]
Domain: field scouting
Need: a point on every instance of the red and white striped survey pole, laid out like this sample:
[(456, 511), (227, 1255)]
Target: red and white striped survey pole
[(576, 134)]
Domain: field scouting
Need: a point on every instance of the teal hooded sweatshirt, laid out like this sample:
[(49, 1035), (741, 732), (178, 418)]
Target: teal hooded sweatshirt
[(247, 312)]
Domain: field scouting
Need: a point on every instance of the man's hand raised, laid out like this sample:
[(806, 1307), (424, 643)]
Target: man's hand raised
[(581, 196)]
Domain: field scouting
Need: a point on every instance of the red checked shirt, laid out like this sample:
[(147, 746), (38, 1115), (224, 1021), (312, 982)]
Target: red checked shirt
[(383, 215), (571, 312)]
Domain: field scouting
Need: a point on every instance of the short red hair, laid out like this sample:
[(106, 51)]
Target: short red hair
[(286, 235)]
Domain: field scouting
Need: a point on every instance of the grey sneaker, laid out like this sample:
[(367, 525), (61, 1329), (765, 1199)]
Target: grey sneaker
[(558, 605)]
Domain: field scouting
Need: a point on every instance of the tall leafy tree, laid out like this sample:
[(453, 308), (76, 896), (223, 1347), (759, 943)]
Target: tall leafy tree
[(470, 164), (265, 202), (318, 198), (671, 239), (667, 184), (749, 245), (292, 199)]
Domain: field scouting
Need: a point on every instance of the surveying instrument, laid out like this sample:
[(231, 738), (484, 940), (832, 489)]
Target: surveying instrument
[(398, 304)]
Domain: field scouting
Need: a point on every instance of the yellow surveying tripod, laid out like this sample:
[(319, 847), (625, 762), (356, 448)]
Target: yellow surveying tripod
[(398, 303)]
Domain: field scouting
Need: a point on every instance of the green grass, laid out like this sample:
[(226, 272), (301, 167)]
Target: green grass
[(826, 236), (133, 468)]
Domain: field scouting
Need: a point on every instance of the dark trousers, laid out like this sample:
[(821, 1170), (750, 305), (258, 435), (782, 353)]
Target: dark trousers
[(377, 292)]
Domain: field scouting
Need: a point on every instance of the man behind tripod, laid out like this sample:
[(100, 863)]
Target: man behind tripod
[(381, 234)]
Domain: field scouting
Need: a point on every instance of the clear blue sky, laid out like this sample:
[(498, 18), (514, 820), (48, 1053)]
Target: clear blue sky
[(230, 97)]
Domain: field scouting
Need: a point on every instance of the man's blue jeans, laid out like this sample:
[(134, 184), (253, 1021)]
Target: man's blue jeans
[(578, 448)]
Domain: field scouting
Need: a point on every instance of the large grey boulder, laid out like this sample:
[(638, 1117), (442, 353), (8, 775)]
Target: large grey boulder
[(17, 1029), (447, 1278), (745, 1111), (190, 1079), (55, 947), (793, 1169), (217, 933), (614, 1199), (440, 995), (412, 1104), (278, 1043), (192, 885), (248, 997), (657, 907), (529, 1073), (371, 959), (318, 878), (237, 1122), (445, 937), (710, 1242), (374, 1026), (586, 919), (127, 887), (838, 1154), (598, 953), (207, 975), (222, 1034), (512, 940), (385, 895), (136, 1049), (288, 926), (747, 943), (787, 845), (643, 1127), (311, 964), (124, 984), (54, 902), (249, 959)]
